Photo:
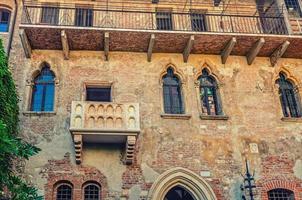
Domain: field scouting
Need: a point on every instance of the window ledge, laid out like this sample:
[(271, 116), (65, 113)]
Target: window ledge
[(176, 116), (33, 113), (291, 119), (214, 117)]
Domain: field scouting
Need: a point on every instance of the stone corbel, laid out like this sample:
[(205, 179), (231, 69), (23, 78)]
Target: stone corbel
[(130, 149), (78, 144)]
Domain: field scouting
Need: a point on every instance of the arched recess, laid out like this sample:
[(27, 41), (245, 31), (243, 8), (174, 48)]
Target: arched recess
[(184, 178)]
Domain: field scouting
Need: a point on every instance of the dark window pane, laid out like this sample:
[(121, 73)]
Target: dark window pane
[(293, 8), (172, 94), (209, 98), (91, 192), (289, 97), (198, 22), (64, 192), (84, 17), (164, 21), (4, 20), (281, 194), (50, 15), (178, 193), (98, 94), (43, 91)]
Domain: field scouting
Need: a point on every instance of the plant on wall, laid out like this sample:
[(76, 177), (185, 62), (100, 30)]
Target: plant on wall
[(12, 148)]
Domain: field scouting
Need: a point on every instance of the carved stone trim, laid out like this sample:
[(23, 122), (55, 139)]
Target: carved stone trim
[(78, 144), (130, 149)]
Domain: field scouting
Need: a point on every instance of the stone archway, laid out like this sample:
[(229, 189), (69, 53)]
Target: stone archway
[(193, 185)]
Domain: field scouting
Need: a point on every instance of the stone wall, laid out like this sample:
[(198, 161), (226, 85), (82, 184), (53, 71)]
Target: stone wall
[(214, 149)]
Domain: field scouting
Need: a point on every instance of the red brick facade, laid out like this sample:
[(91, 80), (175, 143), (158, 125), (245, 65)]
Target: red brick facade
[(63, 171)]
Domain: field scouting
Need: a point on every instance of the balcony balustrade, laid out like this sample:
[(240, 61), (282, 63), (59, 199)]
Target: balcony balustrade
[(99, 122), (98, 29)]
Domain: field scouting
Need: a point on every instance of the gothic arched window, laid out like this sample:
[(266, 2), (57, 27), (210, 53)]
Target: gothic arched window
[(92, 192), (281, 194), (43, 91), (209, 95), (172, 93), (178, 193), (289, 97), (64, 192)]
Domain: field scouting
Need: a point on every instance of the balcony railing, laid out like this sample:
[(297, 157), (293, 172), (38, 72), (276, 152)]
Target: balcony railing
[(165, 21), (104, 117)]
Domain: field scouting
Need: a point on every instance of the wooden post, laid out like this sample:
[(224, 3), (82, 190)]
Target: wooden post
[(65, 45), (228, 50), (278, 53), (150, 47), (254, 51), (188, 48), (25, 43), (106, 46)]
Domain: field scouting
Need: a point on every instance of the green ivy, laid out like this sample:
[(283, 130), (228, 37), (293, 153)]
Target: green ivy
[(12, 148)]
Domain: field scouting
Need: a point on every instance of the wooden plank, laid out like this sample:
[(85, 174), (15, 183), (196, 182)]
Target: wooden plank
[(25, 43), (252, 54), (188, 48), (65, 45), (150, 47), (106, 45), (278, 53), (226, 52)]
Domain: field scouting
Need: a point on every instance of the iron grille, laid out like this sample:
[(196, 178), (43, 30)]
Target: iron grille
[(92, 192), (281, 194), (64, 192)]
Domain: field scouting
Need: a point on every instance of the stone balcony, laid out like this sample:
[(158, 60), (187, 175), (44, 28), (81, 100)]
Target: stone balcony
[(99, 122), (140, 31)]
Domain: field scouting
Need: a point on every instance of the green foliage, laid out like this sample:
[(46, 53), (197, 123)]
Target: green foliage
[(12, 148)]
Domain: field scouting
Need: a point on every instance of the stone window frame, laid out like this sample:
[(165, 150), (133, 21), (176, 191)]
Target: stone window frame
[(100, 84), (183, 86), (295, 82), (87, 183), (213, 73), (29, 90)]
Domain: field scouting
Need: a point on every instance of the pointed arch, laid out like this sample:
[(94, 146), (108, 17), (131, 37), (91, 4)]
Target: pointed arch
[(288, 75), (211, 69), (184, 178), (179, 74)]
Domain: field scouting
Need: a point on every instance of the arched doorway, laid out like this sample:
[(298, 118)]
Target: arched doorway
[(178, 193), (180, 184)]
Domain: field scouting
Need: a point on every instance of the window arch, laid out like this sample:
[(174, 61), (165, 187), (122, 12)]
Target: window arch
[(92, 191), (173, 103), (281, 194), (178, 193), (64, 192), (289, 97), (4, 20), (209, 94), (43, 90)]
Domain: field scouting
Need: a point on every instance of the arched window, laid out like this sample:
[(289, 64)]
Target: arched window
[(281, 194), (172, 93), (289, 97), (178, 193), (209, 96), (92, 192), (64, 192), (43, 91), (4, 20)]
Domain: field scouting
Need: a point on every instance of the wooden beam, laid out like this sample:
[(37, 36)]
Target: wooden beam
[(278, 53), (106, 46), (188, 48), (150, 47), (65, 45), (25, 43), (227, 50), (252, 54)]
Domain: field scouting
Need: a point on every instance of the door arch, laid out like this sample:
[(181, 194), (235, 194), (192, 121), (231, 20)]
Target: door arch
[(185, 181)]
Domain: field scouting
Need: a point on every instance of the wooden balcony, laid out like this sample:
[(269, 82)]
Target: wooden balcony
[(98, 122), (139, 31)]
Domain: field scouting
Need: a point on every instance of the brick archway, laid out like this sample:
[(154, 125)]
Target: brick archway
[(292, 185)]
